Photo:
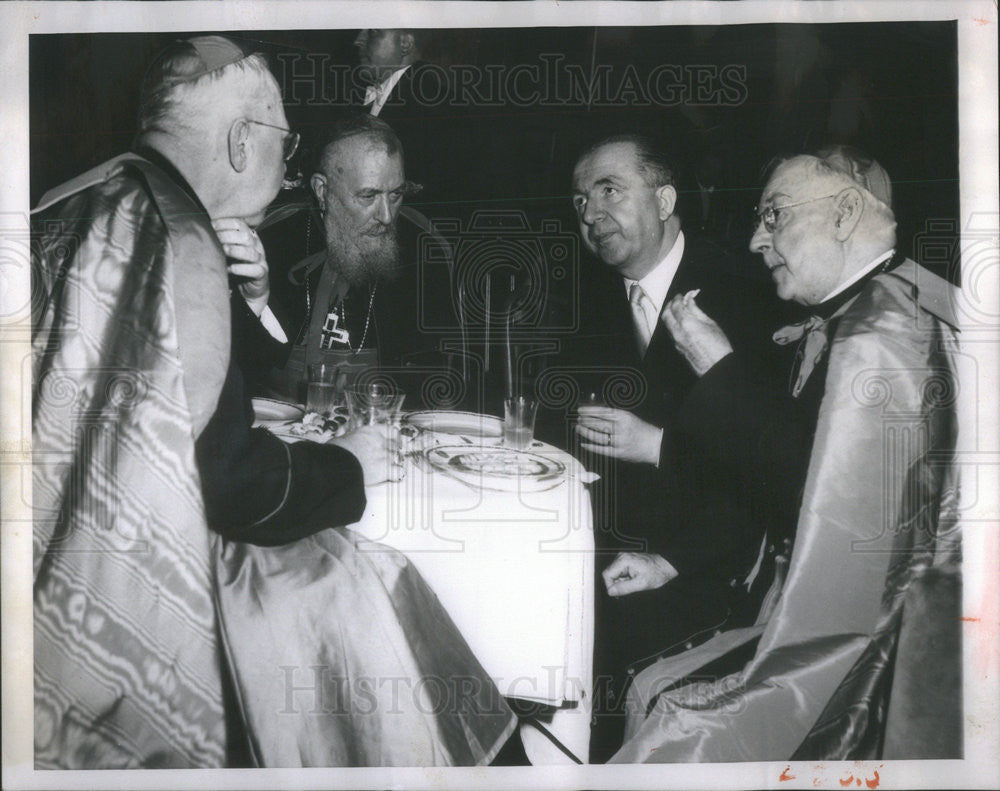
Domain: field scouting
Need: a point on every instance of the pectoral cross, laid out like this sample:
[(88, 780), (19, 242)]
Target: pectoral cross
[(332, 333)]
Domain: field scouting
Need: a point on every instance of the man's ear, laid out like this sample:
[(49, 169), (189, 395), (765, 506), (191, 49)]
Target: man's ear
[(850, 207), (407, 44), (239, 142), (318, 184), (667, 198)]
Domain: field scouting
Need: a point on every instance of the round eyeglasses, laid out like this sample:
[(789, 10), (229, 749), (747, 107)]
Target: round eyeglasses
[(289, 143), (769, 216)]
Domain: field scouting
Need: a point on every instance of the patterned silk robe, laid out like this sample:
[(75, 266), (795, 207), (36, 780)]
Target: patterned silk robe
[(130, 347)]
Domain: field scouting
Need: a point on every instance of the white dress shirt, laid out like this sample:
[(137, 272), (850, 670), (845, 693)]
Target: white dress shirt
[(656, 284), (378, 95)]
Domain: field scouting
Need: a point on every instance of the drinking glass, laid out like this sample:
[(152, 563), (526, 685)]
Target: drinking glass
[(325, 389), (519, 421), (375, 402)]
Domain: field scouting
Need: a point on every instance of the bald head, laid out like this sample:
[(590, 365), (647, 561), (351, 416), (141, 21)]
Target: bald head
[(356, 125), (873, 224), (190, 77), (217, 125)]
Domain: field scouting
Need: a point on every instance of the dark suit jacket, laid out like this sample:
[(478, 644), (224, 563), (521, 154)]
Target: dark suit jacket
[(699, 509), (689, 509)]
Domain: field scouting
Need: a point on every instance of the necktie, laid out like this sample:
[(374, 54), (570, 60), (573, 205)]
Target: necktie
[(642, 307), (812, 334)]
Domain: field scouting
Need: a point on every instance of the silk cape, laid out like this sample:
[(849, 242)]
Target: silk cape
[(877, 520)]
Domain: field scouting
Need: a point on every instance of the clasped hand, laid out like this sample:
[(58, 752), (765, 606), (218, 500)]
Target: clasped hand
[(632, 572), (618, 434), (247, 261)]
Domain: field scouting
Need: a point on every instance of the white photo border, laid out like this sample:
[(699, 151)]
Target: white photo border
[(980, 219)]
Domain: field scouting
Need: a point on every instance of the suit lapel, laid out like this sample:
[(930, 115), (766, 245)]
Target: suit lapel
[(661, 345), (665, 369)]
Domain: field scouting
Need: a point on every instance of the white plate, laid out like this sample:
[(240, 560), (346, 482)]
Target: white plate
[(498, 468), (270, 409), (469, 424)]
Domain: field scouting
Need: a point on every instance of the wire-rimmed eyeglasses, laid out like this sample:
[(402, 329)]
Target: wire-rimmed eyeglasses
[(769, 216), (290, 142)]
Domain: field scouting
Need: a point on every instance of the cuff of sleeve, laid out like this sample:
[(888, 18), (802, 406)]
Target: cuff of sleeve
[(665, 566), (665, 449), (721, 369), (272, 326)]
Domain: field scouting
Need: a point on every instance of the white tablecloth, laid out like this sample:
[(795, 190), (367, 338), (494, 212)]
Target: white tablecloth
[(514, 569)]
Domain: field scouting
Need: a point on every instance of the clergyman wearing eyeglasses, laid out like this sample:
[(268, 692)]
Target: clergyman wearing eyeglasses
[(864, 434)]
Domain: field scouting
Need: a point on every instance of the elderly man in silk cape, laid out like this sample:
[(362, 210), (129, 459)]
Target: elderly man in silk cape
[(840, 662), (173, 545)]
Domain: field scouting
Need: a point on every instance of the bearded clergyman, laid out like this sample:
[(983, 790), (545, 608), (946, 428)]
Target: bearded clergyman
[(363, 301)]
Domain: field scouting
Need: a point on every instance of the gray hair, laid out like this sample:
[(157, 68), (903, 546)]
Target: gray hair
[(861, 168), (179, 78), (355, 125), (877, 219)]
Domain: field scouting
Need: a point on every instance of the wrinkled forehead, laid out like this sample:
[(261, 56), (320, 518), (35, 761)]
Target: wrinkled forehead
[(363, 157), (614, 161)]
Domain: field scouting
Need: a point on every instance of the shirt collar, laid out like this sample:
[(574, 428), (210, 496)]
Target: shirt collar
[(656, 284), (378, 95), (857, 276)]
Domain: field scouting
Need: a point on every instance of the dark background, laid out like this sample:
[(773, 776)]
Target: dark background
[(888, 88)]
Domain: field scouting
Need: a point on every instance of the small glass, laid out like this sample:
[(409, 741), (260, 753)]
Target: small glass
[(325, 389), (374, 403), (519, 421)]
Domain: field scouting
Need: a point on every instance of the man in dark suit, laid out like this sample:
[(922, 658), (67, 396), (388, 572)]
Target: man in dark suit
[(417, 96), (385, 57), (683, 528)]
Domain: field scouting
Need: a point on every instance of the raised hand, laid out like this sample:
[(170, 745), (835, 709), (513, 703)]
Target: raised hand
[(247, 261), (695, 334)]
